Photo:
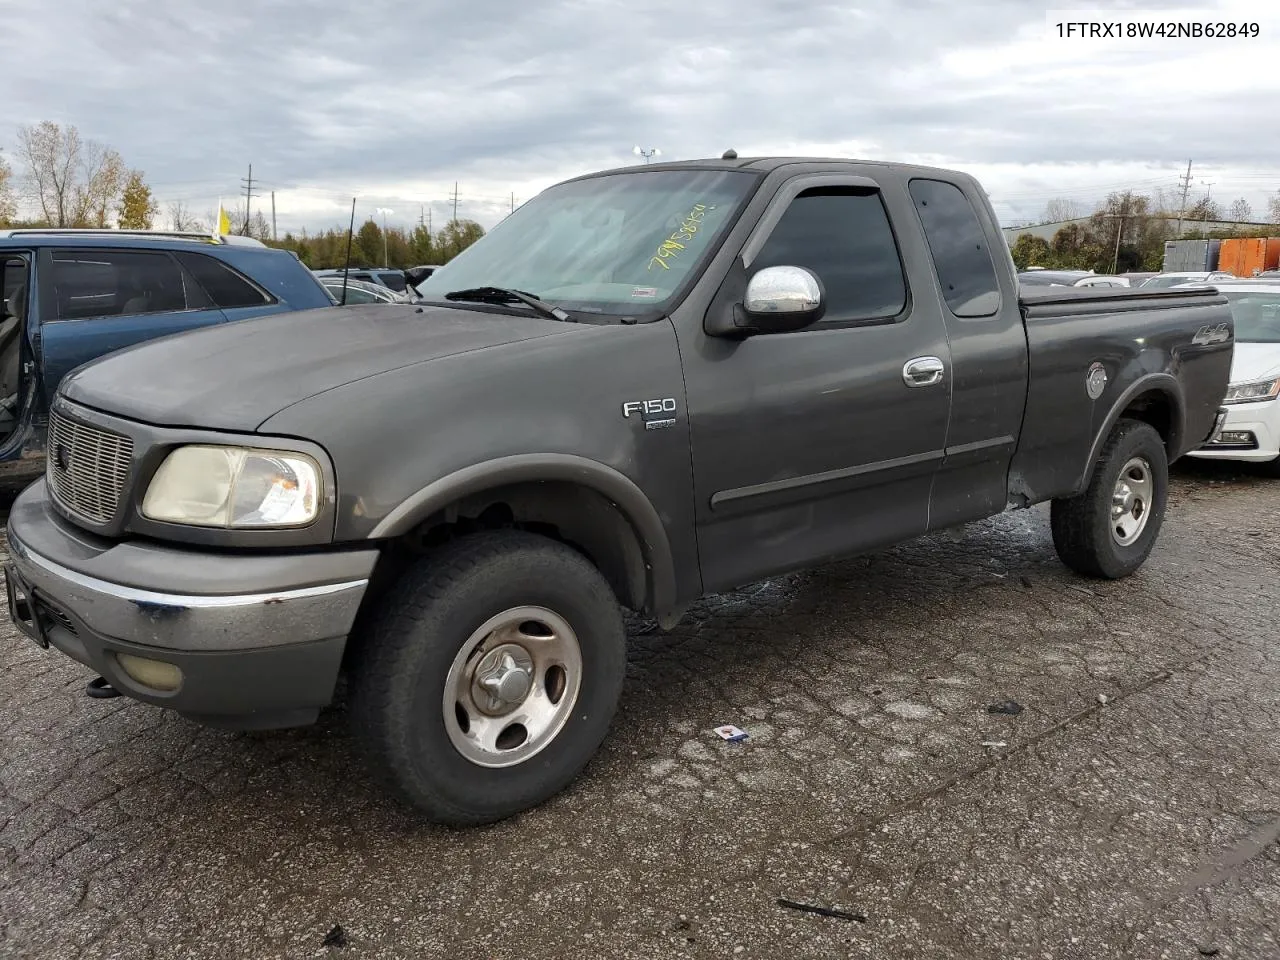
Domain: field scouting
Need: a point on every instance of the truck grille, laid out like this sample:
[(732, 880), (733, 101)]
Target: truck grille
[(87, 468)]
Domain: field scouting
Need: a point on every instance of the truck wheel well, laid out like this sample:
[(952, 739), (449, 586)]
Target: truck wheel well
[(1156, 409), (573, 514)]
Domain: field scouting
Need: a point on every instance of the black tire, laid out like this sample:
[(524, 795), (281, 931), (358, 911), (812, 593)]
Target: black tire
[(1082, 525), (1270, 468), (398, 673)]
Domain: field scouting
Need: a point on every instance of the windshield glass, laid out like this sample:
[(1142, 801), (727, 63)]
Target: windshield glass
[(620, 244), (1256, 315)]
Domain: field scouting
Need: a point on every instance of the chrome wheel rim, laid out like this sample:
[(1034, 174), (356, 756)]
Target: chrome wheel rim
[(512, 686), (1131, 501)]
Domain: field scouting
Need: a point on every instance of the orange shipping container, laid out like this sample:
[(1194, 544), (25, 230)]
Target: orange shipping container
[(1249, 256)]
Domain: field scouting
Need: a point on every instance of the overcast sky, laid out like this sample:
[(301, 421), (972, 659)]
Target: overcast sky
[(394, 101)]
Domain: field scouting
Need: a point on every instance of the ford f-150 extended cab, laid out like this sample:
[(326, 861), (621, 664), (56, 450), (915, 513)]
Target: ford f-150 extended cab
[(643, 386)]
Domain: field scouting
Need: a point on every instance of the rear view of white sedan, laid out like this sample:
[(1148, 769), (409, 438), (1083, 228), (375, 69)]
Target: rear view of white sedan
[(1252, 428)]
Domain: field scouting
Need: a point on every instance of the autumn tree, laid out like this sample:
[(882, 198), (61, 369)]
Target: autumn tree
[(183, 220), (76, 182), (1062, 208), (1241, 210), (8, 202), (138, 208)]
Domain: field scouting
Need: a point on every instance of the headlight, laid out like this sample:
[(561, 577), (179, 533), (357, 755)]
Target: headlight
[(1253, 391), (234, 487)]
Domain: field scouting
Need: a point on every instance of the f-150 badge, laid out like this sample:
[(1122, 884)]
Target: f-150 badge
[(1207, 335), (656, 414)]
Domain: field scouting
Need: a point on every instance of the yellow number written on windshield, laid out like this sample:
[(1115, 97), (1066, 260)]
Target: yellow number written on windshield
[(675, 244)]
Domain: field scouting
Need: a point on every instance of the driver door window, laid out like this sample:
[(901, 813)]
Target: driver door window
[(843, 235)]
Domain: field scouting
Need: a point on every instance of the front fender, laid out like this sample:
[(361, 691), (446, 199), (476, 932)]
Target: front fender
[(549, 467)]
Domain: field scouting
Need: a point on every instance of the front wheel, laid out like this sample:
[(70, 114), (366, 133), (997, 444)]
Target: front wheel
[(490, 677), (1109, 530)]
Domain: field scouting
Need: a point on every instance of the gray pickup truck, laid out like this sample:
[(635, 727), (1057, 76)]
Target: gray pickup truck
[(644, 386)]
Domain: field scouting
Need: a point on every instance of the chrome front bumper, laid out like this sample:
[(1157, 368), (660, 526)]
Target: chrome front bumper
[(258, 638)]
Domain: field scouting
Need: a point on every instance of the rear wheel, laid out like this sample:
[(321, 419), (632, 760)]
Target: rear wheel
[(490, 676), (1109, 530)]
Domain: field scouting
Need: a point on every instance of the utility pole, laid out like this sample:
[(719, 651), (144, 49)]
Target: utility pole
[(513, 202), (422, 215), (454, 198), (1186, 185), (1115, 261), (248, 199), (428, 223), (274, 235)]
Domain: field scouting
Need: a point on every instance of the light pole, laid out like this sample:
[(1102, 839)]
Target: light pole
[(647, 154), (1207, 194), (384, 211)]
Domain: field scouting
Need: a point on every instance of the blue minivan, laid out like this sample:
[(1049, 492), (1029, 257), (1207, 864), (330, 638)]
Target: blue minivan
[(68, 296)]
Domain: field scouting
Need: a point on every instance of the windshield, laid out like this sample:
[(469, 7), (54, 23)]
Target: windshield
[(1256, 315), (620, 244)]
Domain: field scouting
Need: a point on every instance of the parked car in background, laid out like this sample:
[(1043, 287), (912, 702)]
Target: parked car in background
[(1251, 431), (418, 274), (361, 291), (1051, 278), (383, 276), (455, 501), (1136, 278), (1178, 279), (70, 296), (1101, 280)]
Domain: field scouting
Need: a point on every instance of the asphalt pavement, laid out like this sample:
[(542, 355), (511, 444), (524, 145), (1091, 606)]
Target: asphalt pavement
[(1123, 801)]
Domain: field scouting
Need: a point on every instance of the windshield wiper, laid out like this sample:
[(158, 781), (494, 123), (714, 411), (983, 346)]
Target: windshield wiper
[(504, 295)]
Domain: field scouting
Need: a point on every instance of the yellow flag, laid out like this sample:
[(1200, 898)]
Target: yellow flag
[(224, 222)]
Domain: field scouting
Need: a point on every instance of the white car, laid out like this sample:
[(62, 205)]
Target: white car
[(1102, 280), (1181, 279), (1252, 428)]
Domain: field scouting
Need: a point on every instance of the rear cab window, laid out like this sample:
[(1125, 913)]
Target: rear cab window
[(958, 244)]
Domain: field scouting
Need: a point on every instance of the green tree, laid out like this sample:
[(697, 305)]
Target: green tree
[(1031, 251), (369, 238), (138, 208), (456, 236), (1204, 209)]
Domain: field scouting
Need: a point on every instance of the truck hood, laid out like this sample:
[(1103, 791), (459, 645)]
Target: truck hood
[(1254, 361), (234, 376)]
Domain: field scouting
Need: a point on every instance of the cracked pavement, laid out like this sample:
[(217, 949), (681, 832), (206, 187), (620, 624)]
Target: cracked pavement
[(1132, 809)]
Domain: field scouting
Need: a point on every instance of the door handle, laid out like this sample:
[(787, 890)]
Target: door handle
[(923, 372)]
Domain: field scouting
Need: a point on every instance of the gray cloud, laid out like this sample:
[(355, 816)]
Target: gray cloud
[(397, 100)]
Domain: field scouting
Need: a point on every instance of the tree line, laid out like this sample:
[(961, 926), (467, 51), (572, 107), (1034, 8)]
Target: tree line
[(72, 181), (1128, 232)]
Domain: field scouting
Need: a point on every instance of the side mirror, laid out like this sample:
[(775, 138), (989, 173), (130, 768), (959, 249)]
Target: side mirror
[(780, 299)]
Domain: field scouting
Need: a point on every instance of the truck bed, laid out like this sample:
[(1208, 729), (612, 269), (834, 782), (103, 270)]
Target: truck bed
[(1144, 341)]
